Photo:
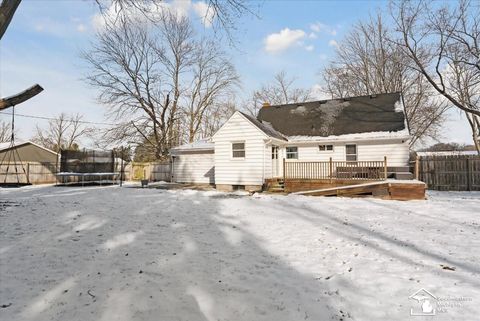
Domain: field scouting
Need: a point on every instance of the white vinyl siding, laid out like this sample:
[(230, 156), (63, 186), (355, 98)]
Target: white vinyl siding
[(312, 153), (397, 152), (268, 161), (195, 168), (241, 171)]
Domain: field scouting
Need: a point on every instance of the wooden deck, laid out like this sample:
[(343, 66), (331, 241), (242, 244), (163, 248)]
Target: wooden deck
[(390, 189)]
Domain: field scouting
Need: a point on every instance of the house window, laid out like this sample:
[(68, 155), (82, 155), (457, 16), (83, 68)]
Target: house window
[(274, 152), (351, 153), (324, 148), (292, 152), (238, 150)]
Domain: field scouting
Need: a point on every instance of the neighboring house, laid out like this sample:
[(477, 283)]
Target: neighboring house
[(27, 163), (247, 151), (448, 153), (27, 152)]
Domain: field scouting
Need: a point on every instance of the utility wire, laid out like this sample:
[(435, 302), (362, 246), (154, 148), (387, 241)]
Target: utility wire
[(51, 118)]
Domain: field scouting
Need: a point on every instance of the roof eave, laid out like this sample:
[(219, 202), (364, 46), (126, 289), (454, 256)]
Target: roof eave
[(292, 139), (178, 150)]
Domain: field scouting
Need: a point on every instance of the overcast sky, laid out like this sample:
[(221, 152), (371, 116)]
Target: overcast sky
[(44, 40)]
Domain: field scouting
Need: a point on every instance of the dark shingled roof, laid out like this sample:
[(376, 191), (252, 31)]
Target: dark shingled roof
[(353, 115), (266, 128)]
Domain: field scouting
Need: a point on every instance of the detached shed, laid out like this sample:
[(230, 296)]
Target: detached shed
[(28, 152), (194, 163), (27, 163)]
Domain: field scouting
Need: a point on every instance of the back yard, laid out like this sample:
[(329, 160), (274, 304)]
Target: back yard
[(110, 253)]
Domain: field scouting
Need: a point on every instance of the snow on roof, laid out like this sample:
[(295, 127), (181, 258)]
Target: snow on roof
[(202, 144), (338, 117), (6, 145), (401, 134), (448, 153)]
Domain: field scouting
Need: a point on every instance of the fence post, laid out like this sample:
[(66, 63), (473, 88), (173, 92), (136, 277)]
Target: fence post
[(385, 167), (469, 175), (330, 165), (417, 168), (284, 171), (28, 173)]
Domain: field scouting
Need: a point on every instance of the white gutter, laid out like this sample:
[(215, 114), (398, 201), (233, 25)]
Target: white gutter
[(342, 140)]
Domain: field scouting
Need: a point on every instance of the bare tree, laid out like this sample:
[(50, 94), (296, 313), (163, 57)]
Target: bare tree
[(138, 74), (367, 62), (217, 115), (214, 77), (443, 44), (63, 132), (280, 91), (5, 131), (150, 75), (222, 14)]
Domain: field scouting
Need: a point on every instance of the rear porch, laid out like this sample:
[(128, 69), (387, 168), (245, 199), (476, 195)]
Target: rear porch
[(344, 178)]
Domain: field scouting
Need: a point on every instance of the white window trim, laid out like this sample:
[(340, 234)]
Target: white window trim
[(244, 149), (326, 150), (356, 153), (286, 153)]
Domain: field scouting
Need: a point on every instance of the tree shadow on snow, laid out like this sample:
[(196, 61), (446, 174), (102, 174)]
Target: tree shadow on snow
[(162, 255), (354, 231)]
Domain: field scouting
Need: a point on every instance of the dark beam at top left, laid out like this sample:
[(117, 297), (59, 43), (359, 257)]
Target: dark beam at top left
[(20, 97), (7, 10)]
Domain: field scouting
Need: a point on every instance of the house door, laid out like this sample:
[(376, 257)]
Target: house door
[(275, 164)]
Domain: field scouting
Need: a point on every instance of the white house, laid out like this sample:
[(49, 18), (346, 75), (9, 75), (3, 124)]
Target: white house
[(246, 151)]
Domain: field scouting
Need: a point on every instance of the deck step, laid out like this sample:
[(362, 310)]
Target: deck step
[(392, 169), (403, 175), (276, 185)]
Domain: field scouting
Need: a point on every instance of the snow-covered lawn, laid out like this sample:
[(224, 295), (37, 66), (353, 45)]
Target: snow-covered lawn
[(110, 253)]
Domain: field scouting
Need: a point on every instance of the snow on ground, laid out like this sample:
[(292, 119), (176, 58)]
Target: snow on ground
[(111, 253)]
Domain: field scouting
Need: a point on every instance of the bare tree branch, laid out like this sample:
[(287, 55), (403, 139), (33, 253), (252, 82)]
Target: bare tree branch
[(443, 44), (280, 91), (149, 76), (63, 132), (367, 62)]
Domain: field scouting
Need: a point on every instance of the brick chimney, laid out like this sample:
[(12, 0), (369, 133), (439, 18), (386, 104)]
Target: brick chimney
[(266, 104)]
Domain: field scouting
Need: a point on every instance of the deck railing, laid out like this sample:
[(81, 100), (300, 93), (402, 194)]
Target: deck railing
[(358, 170)]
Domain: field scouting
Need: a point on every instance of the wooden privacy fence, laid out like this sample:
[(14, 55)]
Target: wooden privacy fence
[(154, 171), (449, 173), (44, 173), (35, 173), (361, 170)]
